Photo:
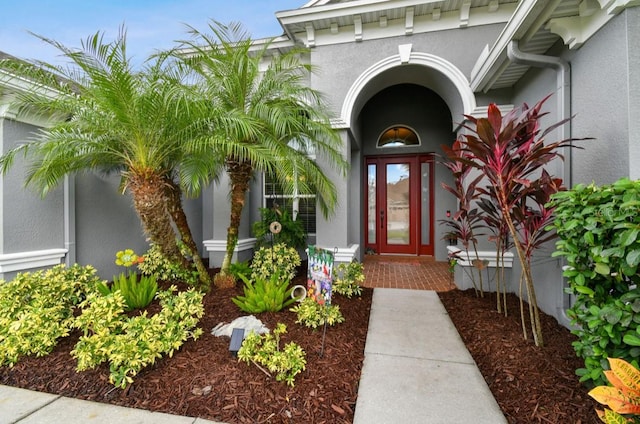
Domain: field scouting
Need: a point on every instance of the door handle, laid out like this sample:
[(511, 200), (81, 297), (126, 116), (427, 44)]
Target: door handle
[(381, 219)]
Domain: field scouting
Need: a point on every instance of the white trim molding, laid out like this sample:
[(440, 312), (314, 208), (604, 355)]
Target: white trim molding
[(362, 20), (482, 111), (465, 100), (576, 30), (11, 84), (465, 259), (343, 254), (221, 245), (21, 261), (216, 250)]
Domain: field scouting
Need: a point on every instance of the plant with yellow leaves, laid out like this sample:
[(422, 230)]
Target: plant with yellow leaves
[(623, 397)]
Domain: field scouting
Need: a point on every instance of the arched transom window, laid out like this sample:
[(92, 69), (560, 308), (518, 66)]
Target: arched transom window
[(398, 136)]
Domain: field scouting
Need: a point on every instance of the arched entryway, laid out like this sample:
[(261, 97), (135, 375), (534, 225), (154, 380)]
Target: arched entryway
[(428, 96), (402, 128)]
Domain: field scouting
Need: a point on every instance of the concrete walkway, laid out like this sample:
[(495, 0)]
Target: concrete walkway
[(416, 370), (28, 407)]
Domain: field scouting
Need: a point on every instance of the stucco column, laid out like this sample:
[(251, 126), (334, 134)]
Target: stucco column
[(333, 232), (216, 216)]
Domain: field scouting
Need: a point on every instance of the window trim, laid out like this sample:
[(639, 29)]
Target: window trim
[(294, 197), (394, 145)]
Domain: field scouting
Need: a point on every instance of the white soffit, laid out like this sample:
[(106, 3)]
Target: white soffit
[(357, 20), (538, 25)]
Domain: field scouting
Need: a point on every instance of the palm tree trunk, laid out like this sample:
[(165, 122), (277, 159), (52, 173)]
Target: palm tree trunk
[(149, 200), (180, 219), (240, 173)]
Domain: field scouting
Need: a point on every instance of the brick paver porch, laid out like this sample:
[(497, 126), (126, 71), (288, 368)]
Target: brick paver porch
[(406, 272)]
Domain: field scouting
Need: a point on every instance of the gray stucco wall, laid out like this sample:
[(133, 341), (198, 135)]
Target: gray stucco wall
[(334, 232), (222, 211), (29, 222), (600, 102), (632, 17), (105, 223), (193, 210), (341, 64), (356, 200)]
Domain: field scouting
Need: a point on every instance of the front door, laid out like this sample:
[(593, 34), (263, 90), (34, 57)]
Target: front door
[(399, 204)]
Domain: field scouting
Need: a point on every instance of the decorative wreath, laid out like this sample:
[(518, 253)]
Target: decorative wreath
[(275, 227)]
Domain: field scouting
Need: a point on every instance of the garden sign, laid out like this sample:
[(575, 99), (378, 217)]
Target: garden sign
[(319, 275)]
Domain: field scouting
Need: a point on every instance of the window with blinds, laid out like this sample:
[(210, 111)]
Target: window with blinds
[(302, 207)]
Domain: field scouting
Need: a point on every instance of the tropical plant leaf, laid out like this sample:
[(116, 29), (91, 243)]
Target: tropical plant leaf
[(610, 417), (629, 236), (633, 258), (602, 268), (610, 396), (627, 376), (631, 339)]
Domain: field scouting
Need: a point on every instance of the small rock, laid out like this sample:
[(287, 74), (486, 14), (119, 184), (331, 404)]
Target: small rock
[(201, 391)]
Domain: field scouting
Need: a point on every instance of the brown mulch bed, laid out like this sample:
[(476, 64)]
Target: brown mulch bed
[(531, 384), (240, 393)]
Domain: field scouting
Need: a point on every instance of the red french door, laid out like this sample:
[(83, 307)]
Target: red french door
[(399, 204)]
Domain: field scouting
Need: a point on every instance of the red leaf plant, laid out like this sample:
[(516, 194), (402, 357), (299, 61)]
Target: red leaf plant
[(510, 152), (467, 221)]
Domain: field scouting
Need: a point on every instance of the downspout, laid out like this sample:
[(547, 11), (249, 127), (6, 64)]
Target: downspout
[(563, 69), (563, 72), (69, 219)]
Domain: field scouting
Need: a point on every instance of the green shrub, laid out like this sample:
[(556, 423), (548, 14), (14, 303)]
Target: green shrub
[(137, 294), (292, 232), (265, 350), (155, 263), (130, 344), (279, 258), (598, 229), (240, 268), (348, 278), (36, 309), (313, 315), (264, 295)]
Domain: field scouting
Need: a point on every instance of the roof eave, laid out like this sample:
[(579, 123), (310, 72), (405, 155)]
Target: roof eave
[(493, 61)]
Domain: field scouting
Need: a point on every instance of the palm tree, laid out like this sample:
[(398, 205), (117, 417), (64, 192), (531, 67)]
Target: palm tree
[(114, 119), (265, 117)]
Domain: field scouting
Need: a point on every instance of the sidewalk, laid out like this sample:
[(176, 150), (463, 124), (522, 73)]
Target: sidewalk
[(416, 371), (27, 407)]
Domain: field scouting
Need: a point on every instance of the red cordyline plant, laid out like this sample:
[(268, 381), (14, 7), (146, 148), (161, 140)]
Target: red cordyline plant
[(466, 222), (534, 218), (500, 237), (510, 151)]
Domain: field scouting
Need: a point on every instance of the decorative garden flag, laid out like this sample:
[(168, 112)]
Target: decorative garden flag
[(319, 275)]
